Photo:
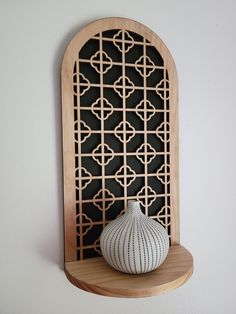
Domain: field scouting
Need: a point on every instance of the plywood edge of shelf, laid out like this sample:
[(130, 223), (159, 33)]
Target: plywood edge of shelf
[(95, 275)]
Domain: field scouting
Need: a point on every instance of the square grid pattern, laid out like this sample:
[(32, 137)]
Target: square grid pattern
[(122, 133)]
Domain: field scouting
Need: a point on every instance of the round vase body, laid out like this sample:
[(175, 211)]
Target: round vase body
[(134, 243)]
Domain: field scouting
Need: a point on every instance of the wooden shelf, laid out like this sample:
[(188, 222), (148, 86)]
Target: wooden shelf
[(95, 275), (120, 142)]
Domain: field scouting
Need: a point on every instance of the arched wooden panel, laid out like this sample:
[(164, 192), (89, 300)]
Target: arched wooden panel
[(120, 131)]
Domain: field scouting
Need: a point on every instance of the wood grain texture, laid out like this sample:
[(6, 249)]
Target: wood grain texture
[(95, 275), (72, 247), (69, 166)]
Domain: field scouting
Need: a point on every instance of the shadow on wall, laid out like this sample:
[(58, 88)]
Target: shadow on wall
[(48, 249)]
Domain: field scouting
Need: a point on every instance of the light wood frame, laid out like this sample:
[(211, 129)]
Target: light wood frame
[(68, 85)]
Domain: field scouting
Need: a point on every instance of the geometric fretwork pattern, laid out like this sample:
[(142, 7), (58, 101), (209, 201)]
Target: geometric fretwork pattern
[(121, 127)]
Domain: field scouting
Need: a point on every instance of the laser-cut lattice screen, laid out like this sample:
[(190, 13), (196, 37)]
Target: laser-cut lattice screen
[(121, 119)]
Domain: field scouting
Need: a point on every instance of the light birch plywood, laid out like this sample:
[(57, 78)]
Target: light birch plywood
[(95, 275), (139, 66), (120, 142)]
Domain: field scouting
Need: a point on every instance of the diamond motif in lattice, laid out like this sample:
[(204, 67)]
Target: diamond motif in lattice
[(142, 106), (162, 88), (149, 157), (119, 176), (139, 66), (163, 132), (150, 196), (128, 87), (83, 127), (164, 216), (87, 178), (97, 108), (119, 131), (97, 246), (85, 219), (101, 57), (84, 84), (103, 199), (99, 151), (163, 174), (118, 41)]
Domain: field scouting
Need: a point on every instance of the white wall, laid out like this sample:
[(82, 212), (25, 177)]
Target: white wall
[(33, 35)]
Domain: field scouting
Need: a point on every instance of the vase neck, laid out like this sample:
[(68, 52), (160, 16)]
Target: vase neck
[(134, 208)]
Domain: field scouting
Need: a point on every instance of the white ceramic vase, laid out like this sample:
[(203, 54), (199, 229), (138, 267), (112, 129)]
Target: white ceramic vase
[(134, 243)]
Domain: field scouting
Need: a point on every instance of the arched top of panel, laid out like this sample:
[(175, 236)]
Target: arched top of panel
[(108, 24)]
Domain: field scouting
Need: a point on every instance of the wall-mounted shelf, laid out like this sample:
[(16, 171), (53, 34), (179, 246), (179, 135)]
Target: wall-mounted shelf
[(94, 275), (120, 142)]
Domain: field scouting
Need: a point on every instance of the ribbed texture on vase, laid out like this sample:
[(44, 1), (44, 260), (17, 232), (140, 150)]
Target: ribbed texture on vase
[(134, 243)]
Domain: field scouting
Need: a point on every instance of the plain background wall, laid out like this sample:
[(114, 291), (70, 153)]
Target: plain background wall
[(201, 36)]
